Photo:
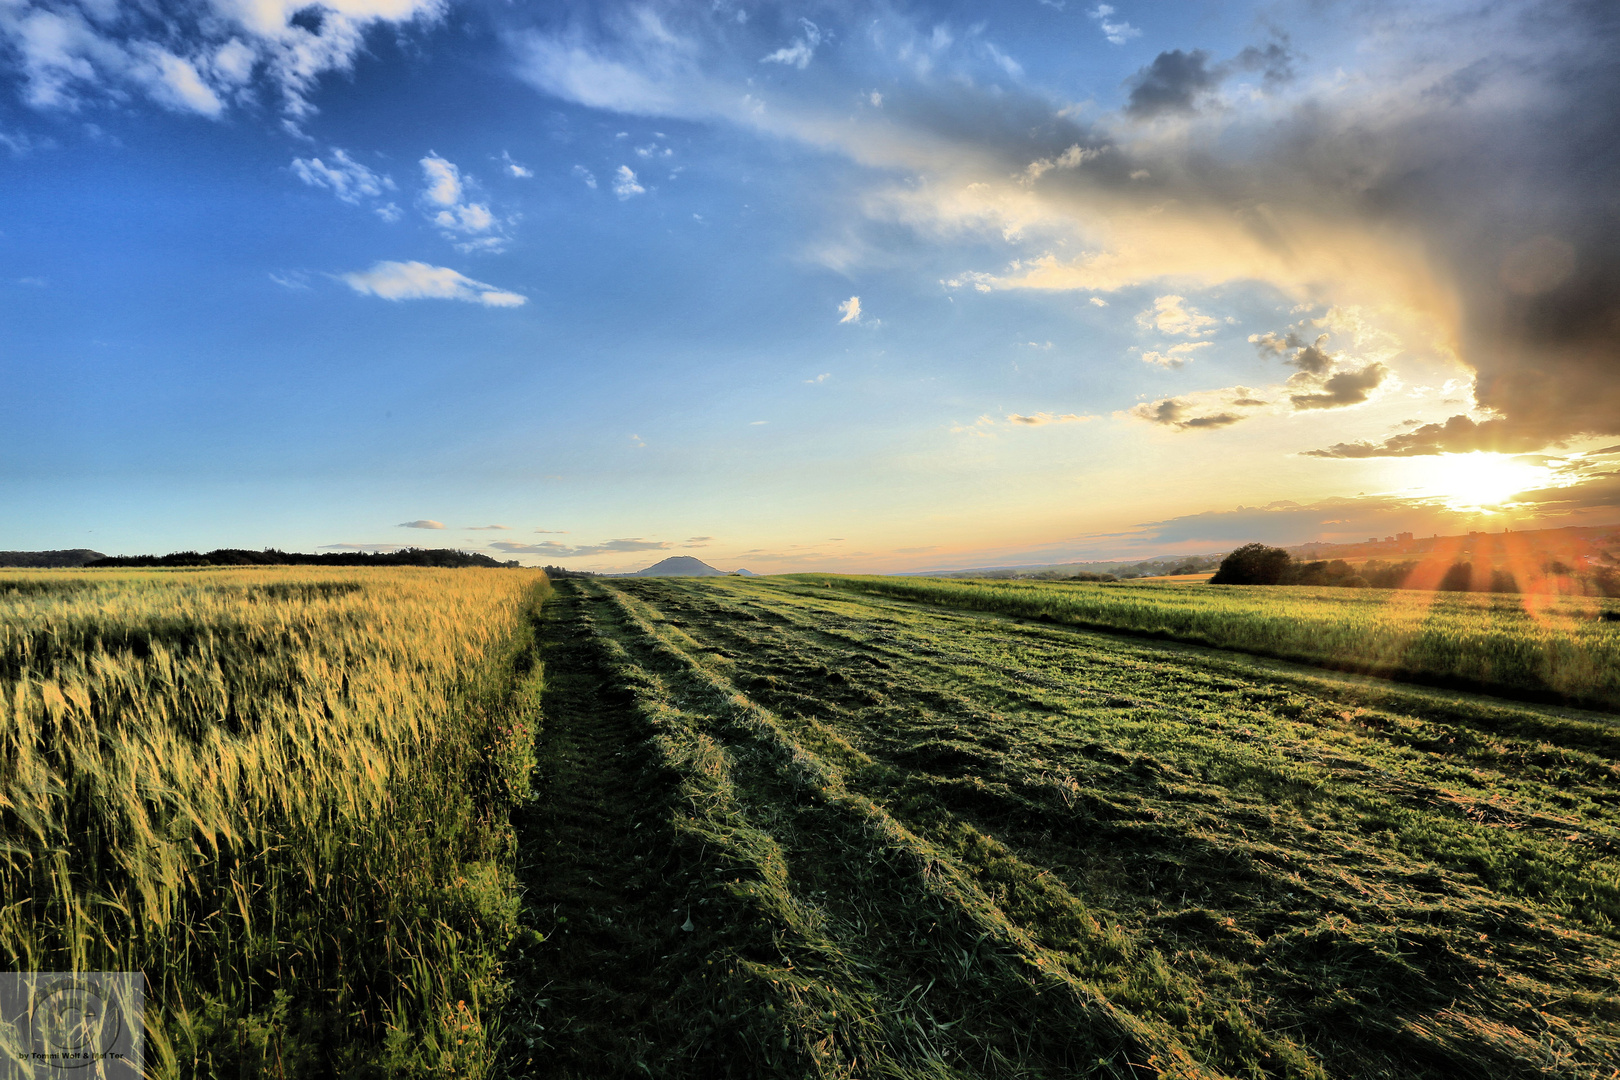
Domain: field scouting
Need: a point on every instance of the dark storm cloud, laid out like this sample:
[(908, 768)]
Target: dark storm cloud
[(1343, 388), (1171, 83), (1499, 179), (1307, 356), (1173, 412), (1460, 434)]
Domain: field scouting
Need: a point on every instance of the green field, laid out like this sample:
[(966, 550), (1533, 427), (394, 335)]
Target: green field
[(773, 828), (1552, 647), (915, 842)]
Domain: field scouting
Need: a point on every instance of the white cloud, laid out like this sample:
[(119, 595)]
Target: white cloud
[(819, 379), (211, 53), (625, 185), (443, 181), (488, 528), (1116, 32), (513, 169), (564, 551), (586, 175), (1097, 301), (419, 281), (344, 177), (1169, 315), (799, 53), (1040, 419), (1175, 355), (469, 224), (851, 310), (421, 523)]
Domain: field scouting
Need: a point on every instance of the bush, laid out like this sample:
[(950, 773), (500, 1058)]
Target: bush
[(1253, 564)]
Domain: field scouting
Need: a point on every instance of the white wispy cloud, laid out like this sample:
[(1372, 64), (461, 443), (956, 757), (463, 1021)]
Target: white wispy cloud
[(344, 177), (1117, 33), (850, 310), (586, 175), (421, 523), (1175, 355), (625, 185), (488, 528), (1171, 315), (513, 169), (197, 58), (421, 281), (560, 550), (1041, 419), (799, 53)]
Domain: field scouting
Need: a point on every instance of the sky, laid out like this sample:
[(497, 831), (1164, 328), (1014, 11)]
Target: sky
[(804, 286)]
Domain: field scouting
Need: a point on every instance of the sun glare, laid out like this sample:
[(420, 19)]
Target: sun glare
[(1480, 479)]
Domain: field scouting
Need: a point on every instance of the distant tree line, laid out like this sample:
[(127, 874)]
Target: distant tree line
[(558, 572), (1259, 564), (1191, 564), (49, 559), (441, 557)]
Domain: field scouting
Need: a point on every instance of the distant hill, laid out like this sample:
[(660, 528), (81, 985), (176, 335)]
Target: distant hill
[(69, 557), (740, 572), (678, 566)]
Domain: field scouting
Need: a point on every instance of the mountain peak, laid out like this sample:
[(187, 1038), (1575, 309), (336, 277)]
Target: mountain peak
[(679, 566)]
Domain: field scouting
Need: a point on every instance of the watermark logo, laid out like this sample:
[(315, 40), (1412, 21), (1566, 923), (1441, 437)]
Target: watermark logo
[(61, 1025)]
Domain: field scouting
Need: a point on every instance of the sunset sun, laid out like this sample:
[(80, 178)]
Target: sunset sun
[(1479, 479)]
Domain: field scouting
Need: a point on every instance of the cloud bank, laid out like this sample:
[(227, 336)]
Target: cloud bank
[(1462, 171), (199, 57)]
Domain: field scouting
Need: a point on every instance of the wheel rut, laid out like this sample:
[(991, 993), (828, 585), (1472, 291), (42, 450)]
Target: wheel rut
[(589, 976)]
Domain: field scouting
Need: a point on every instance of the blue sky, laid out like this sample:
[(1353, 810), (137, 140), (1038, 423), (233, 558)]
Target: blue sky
[(816, 285)]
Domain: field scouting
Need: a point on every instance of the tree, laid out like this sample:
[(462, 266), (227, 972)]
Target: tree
[(1252, 564), (1459, 578)]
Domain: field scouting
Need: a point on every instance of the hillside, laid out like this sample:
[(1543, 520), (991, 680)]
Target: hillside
[(677, 566)]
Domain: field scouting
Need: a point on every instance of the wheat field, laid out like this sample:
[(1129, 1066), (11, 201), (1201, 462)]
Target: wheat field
[(283, 794)]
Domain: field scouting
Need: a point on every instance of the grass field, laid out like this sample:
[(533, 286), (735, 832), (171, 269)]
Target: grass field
[(282, 794), (413, 823), (1550, 647), (834, 834)]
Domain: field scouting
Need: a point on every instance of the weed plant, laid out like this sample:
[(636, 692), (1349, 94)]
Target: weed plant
[(282, 794)]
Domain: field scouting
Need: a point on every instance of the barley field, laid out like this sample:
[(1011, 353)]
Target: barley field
[(1557, 648), (282, 794)]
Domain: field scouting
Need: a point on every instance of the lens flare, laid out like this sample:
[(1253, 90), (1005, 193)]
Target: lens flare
[(1479, 480)]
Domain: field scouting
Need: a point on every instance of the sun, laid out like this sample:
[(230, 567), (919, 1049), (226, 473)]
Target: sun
[(1479, 479)]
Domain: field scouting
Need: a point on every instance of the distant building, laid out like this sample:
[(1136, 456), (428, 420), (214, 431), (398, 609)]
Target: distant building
[(1404, 538)]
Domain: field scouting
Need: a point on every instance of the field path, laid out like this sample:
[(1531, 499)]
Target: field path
[(589, 997)]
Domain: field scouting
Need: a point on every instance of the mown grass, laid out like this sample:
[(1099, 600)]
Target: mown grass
[(281, 794), (1551, 647), (918, 843)]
